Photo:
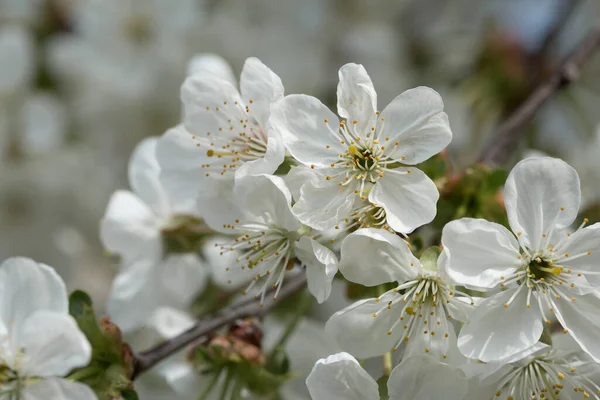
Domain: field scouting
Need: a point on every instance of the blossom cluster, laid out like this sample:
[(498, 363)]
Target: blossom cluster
[(255, 186)]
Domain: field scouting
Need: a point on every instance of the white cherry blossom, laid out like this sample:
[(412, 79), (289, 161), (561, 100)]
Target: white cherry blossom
[(269, 238), (226, 132), (417, 314), (132, 228), (340, 377), (542, 269), (546, 373), (368, 155), (39, 341)]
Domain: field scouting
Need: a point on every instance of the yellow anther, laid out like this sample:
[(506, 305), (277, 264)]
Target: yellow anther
[(210, 153)]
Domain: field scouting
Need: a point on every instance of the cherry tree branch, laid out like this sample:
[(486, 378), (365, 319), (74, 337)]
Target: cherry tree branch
[(508, 134), (249, 308)]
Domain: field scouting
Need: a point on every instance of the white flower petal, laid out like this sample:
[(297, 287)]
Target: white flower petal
[(325, 206), (585, 242), (309, 130), (260, 87), (183, 277), (265, 198), (129, 228), (479, 253), (580, 318), (358, 332), (135, 293), (181, 173), (144, 173), (27, 287), (53, 344), (211, 64), (408, 199), (541, 194), (374, 256), (170, 322), (216, 204), (269, 163), (415, 119), (210, 103), (298, 176), (495, 332), (321, 266), (357, 99), (340, 377), (58, 389), (425, 378), (183, 378)]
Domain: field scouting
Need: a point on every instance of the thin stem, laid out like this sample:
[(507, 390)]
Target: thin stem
[(505, 138), (225, 388), (210, 387), (147, 359)]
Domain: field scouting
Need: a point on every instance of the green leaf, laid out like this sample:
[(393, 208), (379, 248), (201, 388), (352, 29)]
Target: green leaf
[(129, 395)]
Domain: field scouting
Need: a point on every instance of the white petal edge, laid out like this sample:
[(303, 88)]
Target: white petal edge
[(479, 253), (53, 344), (425, 378), (321, 267), (541, 194), (144, 176), (408, 197), (496, 332), (260, 87), (265, 198), (309, 130), (340, 377), (58, 389), (356, 98), (374, 256), (415, 119), (27, 287)]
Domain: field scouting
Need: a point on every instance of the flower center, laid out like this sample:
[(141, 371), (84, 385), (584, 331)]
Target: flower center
[(236, 141), (545, 378), (540, 270), (268, 249), (425, 313), (183, 234), (9, 379), (369, 216)]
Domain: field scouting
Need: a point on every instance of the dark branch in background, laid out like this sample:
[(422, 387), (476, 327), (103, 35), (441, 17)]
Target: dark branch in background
[(508, 133), (564, 10), (249, 308)]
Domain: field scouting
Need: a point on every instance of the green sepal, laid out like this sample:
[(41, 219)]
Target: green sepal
[(429, 258), (111, 367)]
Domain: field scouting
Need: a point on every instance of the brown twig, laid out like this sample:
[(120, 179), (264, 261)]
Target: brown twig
[(507, 135), (147, 359)]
